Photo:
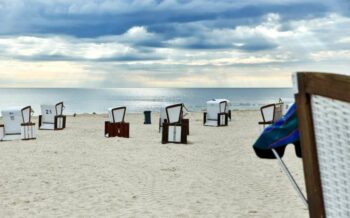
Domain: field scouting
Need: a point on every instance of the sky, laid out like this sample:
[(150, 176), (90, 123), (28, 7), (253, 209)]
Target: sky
[(170, 43)]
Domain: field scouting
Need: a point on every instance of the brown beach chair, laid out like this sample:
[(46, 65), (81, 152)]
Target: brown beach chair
[(175, 129), (116, 126)]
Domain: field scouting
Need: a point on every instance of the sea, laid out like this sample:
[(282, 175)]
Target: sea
[(88, 100)]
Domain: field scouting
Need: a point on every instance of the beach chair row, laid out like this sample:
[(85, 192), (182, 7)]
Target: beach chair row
[(18, 124), (172, 122)]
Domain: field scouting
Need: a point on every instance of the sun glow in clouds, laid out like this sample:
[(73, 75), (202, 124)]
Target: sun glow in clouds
[(167, 43)]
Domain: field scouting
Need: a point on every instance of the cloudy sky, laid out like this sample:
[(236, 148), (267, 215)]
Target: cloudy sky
[(170, 43)]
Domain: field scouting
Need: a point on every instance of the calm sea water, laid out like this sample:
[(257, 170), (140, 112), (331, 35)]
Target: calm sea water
[(79, 100)]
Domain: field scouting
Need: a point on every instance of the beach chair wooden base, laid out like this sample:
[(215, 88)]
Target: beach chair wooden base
[(222, 120), (174, 133), (59, 123), (28, 131), (116, 129), (186, 123)]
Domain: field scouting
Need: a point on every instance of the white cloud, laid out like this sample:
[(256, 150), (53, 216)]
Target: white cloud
[(235, 53)]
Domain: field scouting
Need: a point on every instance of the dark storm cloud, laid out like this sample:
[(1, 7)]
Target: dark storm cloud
[(84, 19)]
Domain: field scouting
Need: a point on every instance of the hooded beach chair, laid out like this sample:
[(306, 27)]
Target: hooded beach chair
[(17, 124), (174, 129), (116, 126), (52, 117), (323, 108), (217, 113), (271, 113), (184, 113)]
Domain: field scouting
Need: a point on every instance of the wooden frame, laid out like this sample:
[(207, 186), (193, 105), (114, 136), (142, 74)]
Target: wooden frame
[(32, 127), (186, 123), (59, 103), (225, 106), (118, 108), (2, 131), (226, 119), (229, 114), (165, 136), (326, 85), (265, 122), (180, 114), (30, 113), (117, 129)]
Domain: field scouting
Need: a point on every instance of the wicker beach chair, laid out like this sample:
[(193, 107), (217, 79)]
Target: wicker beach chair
[(323, 109), (52, 117), (175, 129), (271, 113), (217, 113), (116, 126), (184, 112), (17, 124)]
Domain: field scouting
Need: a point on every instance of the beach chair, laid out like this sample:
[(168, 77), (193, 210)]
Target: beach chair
[(217, 113), (17, 124), (52, 117), (116, 126), (271, 113), (323, 109), (174, 129), (184, 113)]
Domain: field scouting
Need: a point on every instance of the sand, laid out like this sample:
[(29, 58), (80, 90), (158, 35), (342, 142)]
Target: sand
[(78, 172)]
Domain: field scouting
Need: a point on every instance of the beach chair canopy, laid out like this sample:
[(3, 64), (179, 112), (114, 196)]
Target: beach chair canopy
[(174, 113), (278, 135), (323, 104), (13, 117), (117, 114), (216, 106)]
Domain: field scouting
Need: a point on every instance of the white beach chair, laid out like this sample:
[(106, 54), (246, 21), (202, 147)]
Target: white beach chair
[(323, 107), (116, 126), (52, 117), (174, 129), (217, 113), (17, 124)]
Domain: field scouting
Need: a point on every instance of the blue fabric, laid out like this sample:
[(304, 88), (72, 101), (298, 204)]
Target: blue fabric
[(279, 135)]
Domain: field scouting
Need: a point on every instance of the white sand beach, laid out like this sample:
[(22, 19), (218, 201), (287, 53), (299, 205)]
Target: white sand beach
[(78, 172)]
